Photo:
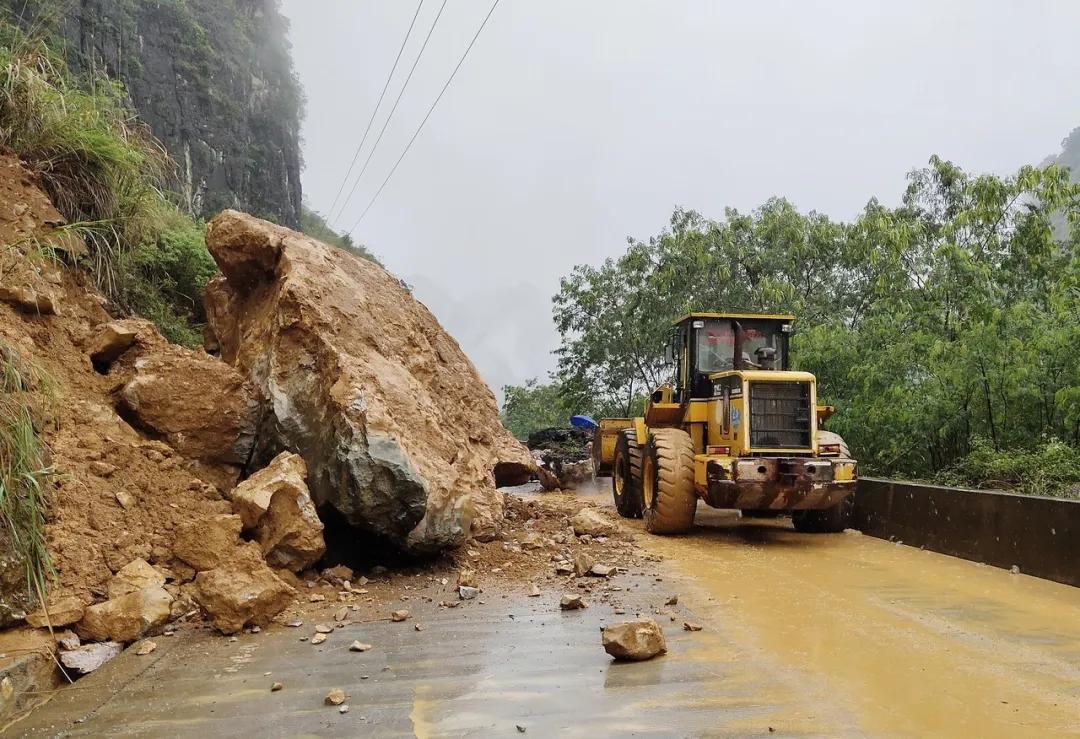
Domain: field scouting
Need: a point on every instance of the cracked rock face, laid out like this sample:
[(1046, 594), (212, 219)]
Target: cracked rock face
[(400, 435)]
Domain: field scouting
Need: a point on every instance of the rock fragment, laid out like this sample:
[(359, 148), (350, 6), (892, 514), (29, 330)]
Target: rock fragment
[(145, 648), (110, 340), (691, 626), (208, 542), (318, 638), (89, 657), (242, 591), (135, 575), (571, 602), (60, 612), (634, 640), (335, 697), (602, 570), (126, 618), (467, 593), (590, 522), (358, 646), (399, 615), (276, 687)]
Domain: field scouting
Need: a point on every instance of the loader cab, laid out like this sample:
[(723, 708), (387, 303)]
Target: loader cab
[(703, 344)]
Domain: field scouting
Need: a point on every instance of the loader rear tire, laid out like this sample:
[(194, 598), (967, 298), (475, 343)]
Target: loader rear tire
[(668, 482), (626, 475)]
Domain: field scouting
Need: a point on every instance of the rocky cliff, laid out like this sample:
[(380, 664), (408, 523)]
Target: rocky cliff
[(214, 81)]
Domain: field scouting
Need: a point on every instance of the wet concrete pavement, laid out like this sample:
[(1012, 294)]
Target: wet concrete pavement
[(839, 635)]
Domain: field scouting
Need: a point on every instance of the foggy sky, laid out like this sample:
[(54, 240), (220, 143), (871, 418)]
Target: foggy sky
[(575, 124)]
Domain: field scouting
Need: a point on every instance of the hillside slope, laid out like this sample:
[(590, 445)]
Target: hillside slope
[(214, 81)]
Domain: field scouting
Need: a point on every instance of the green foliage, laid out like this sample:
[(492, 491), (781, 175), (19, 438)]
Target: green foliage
[(532, 406), (1051, 468), (314, 225), (946, 320), (105, 174), (24, 471)]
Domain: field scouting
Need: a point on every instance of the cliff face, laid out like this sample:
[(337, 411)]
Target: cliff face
[(214, 81)]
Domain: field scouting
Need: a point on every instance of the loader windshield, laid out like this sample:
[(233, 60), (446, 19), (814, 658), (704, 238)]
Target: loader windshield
[(763, 345)]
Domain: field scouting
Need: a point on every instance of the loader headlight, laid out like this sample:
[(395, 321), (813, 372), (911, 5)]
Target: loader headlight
[(829, 450)]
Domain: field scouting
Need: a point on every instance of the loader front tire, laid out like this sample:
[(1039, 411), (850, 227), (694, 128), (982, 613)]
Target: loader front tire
[(626, 475), (667, 482)]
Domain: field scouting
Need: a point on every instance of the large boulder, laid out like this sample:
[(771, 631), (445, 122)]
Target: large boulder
[(400, 435), (242, 591), (126, 618), (199, 405)]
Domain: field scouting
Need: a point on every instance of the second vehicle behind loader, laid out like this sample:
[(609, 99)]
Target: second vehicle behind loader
[(737, 429)]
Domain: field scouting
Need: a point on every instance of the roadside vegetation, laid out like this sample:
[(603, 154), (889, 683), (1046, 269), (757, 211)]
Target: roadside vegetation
[(110, 179), (944, 330), (24, 468)]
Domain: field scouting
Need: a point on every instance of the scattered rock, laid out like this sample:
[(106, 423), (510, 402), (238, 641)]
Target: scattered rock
[(318, 639), (294, 623), (28, 300), (602, 570), (467, 593), (592, 522), (343, 709), (323, 628), (316, 598), (125, 499), (341, 614), (145, 648), (534, 591), (691, 626), (339, 574), (208, 542), (126, 618), (276, 687), (60, 612), (242, 591), (672, 601), (357, 646), (564, 568), (89, 657), (570, 602), (102, 469), (400, 615), (135, 575), (1015, 569), (634, 640), (110, 340), (335, 697), (582, 563), (274, 502), (467, 577)]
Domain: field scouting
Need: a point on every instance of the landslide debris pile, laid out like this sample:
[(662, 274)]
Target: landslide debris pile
[(400, 434), (184, 483)]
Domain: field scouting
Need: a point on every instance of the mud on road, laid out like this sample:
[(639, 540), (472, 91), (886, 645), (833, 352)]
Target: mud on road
[(836, 635)]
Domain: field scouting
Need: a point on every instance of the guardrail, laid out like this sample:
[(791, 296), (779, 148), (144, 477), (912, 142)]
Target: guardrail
[(1039, 535)]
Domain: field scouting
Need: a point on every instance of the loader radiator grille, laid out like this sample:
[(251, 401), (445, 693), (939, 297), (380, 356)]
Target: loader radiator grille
[(780, 415)]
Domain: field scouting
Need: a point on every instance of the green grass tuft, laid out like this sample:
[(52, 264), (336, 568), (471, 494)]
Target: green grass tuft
[(24, 469)]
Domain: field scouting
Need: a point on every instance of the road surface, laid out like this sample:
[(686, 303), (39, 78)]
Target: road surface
[(828, 635)]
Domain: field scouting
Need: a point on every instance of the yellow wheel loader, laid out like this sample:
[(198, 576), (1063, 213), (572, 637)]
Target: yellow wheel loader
[(736, 428)]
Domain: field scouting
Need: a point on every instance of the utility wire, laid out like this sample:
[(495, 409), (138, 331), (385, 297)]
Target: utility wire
[(428, 115), (386, 123), (363, 140)]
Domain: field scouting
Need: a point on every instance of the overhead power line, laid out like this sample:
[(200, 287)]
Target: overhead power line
[(386, 123), (426, 116), (363, 139)]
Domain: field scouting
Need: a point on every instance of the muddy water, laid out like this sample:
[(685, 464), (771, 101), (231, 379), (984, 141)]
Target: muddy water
[(902, 641)]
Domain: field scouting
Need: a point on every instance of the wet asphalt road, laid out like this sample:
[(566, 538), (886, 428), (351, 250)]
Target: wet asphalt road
[(838, 635)]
